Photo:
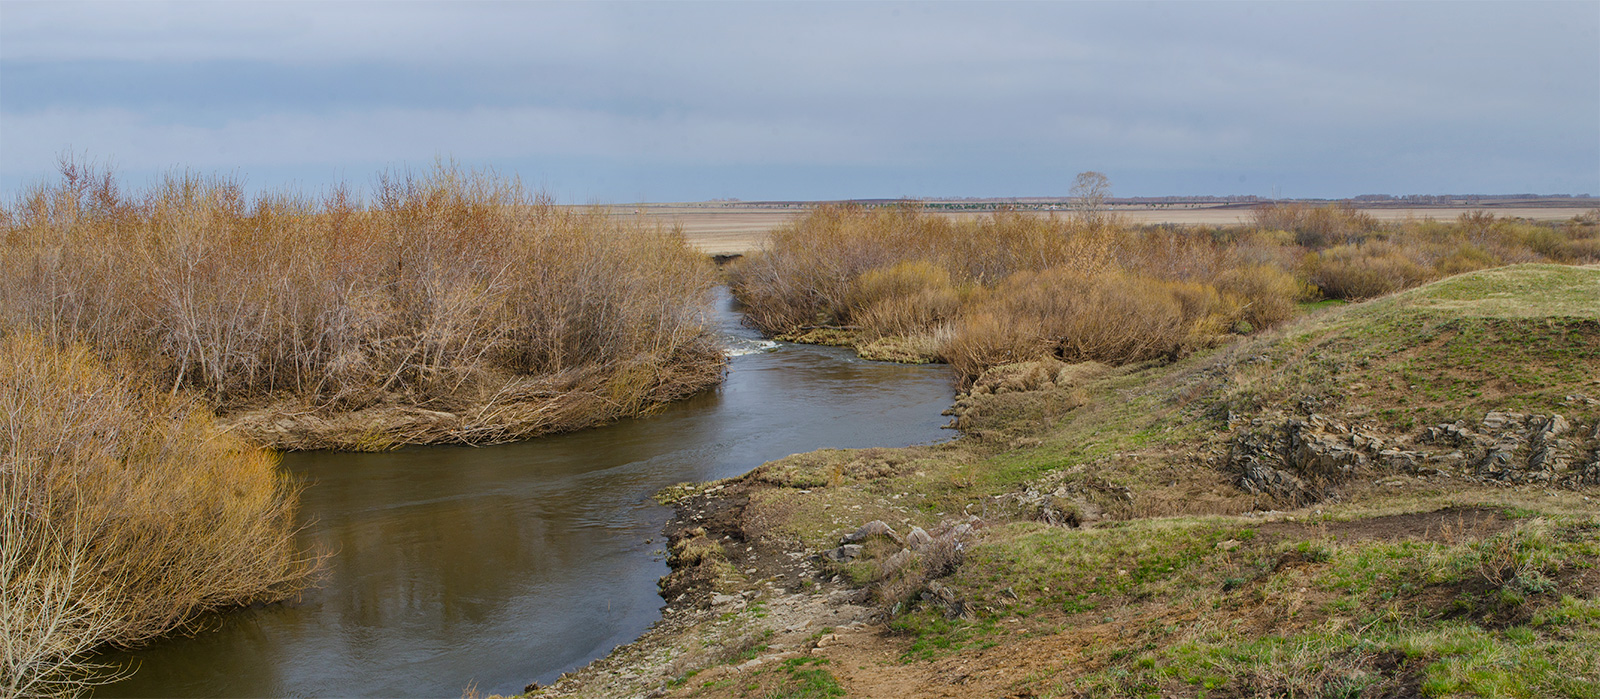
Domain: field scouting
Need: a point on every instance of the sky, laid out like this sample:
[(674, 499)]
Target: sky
[(607, 102)]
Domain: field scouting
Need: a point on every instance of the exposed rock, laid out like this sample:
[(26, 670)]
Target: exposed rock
[(897, 561), (1299, 461), (843, 554), (871, 529), (1260, 479), (1401, 459), (1065, 506), (918, 539), (959, 531), (941, 594)]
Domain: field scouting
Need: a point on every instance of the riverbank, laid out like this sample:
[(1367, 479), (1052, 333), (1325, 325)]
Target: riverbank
[(905, 284), (523, 559), (1390, 498), (508, 409)]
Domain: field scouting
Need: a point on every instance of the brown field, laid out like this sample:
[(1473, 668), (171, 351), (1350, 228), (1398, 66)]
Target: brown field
[(720, 229)]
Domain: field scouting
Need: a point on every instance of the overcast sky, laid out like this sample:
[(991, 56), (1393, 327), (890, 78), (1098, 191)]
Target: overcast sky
[(672, 101)]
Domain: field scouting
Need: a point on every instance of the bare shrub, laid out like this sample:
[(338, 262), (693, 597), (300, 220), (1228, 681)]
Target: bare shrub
[(1112, 317), (1265, 295), (123, 513), (1365, 271), (444, 293), (812, 272), (907, 298), (1317, 227), (1176, 253)]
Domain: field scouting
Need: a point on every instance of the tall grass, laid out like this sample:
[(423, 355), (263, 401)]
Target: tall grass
[(455, 292), (1009, 287), (124, 512)]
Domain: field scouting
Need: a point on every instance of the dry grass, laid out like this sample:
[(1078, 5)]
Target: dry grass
[(452, 291), (124, 512)]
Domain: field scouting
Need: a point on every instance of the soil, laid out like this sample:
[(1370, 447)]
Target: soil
[(1447, 526)]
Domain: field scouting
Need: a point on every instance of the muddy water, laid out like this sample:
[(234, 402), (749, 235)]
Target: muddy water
[(504, 565)]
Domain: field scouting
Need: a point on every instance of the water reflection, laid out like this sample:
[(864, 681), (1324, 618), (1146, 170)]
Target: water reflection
[(514, 563)]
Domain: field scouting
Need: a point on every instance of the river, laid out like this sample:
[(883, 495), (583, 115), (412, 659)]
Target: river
[(497, 566)]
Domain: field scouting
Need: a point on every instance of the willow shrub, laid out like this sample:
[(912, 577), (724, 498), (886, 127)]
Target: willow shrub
[(1003, 288), (124, 512), (1112, 316), (814, 271), (451, 290)]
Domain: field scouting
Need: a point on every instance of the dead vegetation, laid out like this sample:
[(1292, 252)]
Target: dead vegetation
[(452, 292), (124, 513), (903, 284)]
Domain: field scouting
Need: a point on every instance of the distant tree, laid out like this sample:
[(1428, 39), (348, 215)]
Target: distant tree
[(1089, 194)]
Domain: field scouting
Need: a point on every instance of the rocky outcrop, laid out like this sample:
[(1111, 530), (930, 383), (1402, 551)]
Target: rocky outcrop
[(1298, 462), (1303, 461), (1521, 448)]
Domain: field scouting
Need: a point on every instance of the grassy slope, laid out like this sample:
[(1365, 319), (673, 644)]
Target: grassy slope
[(1397, 582)]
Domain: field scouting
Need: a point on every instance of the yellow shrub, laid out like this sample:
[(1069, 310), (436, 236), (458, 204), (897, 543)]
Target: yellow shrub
[(907, 298), (1113, 317), (1265, 295), (1358, 272), (126, 512), (437, 293)]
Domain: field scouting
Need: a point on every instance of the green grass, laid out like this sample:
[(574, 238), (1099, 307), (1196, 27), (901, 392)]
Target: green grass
[(1370, 614), (806, 679), (1174, 593)]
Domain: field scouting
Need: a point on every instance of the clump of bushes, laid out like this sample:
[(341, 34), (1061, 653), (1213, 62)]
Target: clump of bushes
[(453, 291), (1003, 288), (124, 513), (1364, 271), (1413, 253), (1316, 226), (901, 283), (1113, 316)]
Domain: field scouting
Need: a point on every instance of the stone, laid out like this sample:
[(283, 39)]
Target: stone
[(898, 561), (960, 530), (1495, 463), (871, 529), (1556, 426), (843, 554), (918, 539)]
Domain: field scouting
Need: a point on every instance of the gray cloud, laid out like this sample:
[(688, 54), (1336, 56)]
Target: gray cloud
[(810, 100)]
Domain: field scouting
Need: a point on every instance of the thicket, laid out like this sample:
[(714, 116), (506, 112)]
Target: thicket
[(1010, 287), (124, 513), (455, 292)]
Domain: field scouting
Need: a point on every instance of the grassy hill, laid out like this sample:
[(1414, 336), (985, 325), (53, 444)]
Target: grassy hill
[(1393, 498)]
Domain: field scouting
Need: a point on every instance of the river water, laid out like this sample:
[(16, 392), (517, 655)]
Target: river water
[(497, 566)]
